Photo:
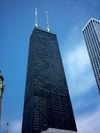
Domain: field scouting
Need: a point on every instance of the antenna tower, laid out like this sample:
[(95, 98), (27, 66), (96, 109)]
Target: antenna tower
[(36, 22), (47, 21)]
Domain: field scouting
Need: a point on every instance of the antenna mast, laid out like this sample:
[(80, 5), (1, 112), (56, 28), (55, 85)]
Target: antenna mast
[(36, 22), (47, 21)]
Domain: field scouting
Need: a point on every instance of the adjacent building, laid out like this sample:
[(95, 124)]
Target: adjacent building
[(47, 102), (91, 33), (1, 93), (53, 130)]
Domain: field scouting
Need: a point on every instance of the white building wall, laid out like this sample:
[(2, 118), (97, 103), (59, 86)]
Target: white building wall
[(53, 130)]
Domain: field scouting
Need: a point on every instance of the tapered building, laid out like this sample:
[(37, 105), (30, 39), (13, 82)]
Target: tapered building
[(91, 33), (47, 102)]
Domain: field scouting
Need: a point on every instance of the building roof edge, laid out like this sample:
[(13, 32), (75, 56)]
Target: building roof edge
[(45, 30), (89, 22)]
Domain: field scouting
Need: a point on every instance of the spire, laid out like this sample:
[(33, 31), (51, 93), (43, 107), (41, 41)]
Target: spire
[(47, 21), (36, 22)]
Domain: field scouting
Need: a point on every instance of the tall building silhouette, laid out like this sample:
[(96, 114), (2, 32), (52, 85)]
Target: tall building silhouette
[(1, 93), (91, 33), (47, 102)]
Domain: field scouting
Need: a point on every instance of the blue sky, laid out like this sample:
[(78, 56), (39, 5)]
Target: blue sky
[(66, 18)]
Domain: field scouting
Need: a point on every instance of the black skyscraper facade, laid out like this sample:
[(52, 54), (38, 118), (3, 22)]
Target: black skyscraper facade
[(47, 102)]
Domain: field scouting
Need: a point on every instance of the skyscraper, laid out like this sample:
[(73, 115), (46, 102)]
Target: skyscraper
[(91, 33), (47, 102)]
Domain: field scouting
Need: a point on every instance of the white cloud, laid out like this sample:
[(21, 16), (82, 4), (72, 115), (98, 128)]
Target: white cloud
[(89, 123), (15, 126), (77, 60), (80, 78), (78, 70)]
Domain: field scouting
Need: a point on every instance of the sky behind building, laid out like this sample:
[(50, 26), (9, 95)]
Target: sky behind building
[(66, 18)]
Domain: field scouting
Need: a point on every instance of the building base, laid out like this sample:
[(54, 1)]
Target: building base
[(53, 130)]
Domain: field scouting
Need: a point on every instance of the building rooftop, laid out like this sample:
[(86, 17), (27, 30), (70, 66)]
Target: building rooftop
[(45, 30), (91, 19)]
